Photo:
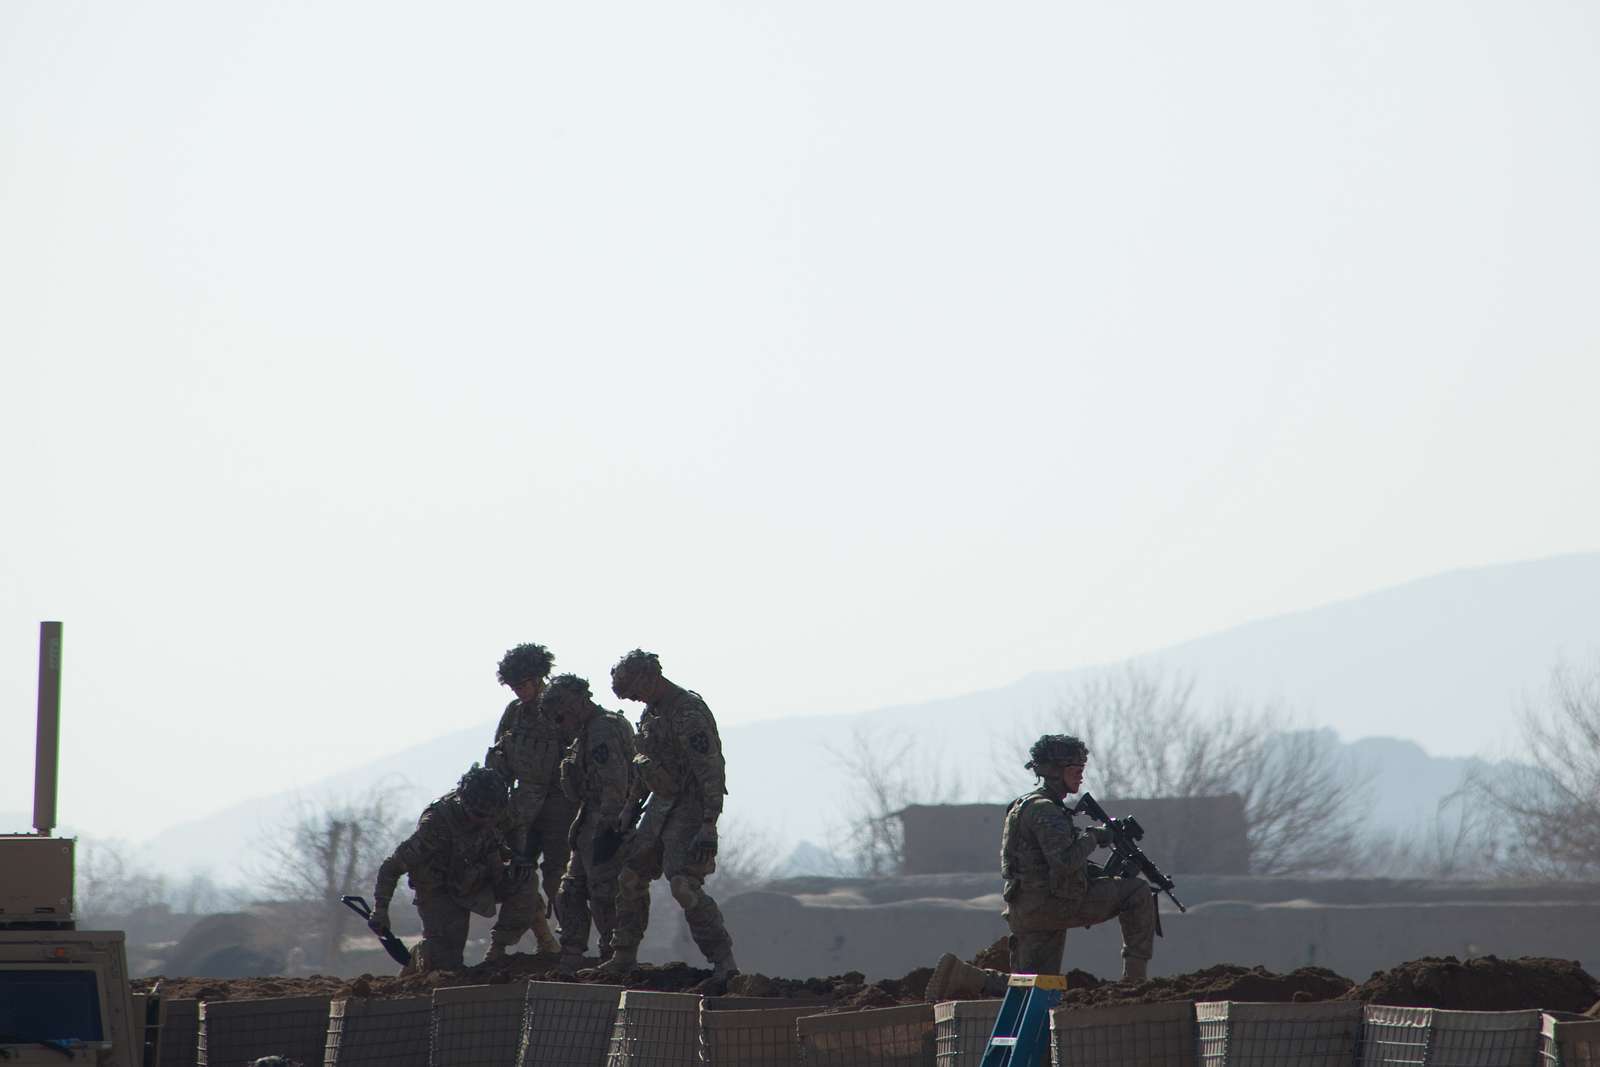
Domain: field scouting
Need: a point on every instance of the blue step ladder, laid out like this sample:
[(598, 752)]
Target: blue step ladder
[(1022, 1029)]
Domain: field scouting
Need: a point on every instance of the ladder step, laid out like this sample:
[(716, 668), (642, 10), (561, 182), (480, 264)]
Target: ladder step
[(1002, 1042)]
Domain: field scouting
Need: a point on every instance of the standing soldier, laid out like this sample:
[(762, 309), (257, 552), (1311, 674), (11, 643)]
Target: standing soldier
[(680, 762), (457, 866), (527, 751), (597, 774)]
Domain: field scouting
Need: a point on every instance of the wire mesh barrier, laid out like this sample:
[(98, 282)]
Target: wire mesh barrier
[(655, 1030), (1319, 1034), (881, 1037), (1158, 1035), (567, 1025), (180, 1032), (233, 1032), (379, 1033), (961, 1030), (1564, 1043), (1429, 1037), (476, 1025), (764, 1037)]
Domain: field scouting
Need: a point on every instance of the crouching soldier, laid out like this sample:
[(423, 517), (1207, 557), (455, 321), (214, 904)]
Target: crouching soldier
[(596, 774), (1050, 885), (456, 860)]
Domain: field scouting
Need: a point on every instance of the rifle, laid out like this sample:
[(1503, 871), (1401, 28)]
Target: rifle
[(395, 947), (610, 838), (1126, 855)]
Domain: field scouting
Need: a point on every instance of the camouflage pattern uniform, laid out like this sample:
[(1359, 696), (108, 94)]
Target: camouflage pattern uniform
[(680, 762), (1051, 886), (528, 751), (597, 773), (456, 867)]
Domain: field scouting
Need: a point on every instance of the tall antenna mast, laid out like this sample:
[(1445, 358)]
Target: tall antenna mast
[(47, 738)]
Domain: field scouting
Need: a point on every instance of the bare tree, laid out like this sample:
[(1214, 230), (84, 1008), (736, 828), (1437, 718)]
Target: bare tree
[(1150, 737), (746, 858), (325, 850), (890, 772), (1550, 806), (1459, 842), (109, 883)]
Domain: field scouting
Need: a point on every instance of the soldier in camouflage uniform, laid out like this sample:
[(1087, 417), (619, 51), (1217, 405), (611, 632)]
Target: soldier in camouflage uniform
[(527, 751), (597, 774), (1050, 885), (680, 762), (456, 860)]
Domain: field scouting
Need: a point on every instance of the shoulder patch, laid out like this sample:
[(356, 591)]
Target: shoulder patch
[(600, 753), (700, 742)]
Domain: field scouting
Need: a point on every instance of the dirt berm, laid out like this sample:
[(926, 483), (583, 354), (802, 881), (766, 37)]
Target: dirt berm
[(1482, 984)]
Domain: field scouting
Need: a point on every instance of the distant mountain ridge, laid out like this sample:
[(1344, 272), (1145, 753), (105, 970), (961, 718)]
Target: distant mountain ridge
[(1435, 665)]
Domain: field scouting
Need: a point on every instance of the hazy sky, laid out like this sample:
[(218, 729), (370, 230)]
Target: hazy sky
[(844, 353)]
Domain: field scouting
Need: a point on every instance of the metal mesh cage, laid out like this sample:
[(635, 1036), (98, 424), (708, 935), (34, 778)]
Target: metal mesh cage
[(961, 1030), (655, 1030), (1394, 1037), (379, 1033), (237, 1031), (567, 1025), (1569, 1044), (1235, 1034), (476, 1025), (881, 1037), (763, 1037), (180, 1032), (1483, 1038), (1160, 1035)]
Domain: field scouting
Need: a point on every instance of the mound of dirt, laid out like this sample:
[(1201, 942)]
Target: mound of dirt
[(1222, 982), (1485, 983), (997, 957)]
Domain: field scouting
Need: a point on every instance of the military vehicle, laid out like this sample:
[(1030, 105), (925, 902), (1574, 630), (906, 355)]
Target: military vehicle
[(64, 993)]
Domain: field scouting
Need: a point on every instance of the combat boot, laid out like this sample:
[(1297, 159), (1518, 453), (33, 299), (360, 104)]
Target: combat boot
[(571, 963), (497, 951), (623, 961), (954, 980), (1134, 969)]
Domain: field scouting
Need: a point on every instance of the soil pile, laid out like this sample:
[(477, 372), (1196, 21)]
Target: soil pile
[(1222, 982), (1485, 983)]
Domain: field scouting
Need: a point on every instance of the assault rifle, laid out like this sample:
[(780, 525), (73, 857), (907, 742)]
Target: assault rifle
[(1126, 855)]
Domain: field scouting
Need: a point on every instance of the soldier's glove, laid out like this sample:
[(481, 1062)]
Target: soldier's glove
[(704, 847), (378, 921)]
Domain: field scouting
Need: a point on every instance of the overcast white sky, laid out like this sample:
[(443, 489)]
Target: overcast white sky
[(844, 353)]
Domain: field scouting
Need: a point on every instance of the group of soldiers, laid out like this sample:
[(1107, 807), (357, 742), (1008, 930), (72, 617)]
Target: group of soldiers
[(603, 810), (600, 809)]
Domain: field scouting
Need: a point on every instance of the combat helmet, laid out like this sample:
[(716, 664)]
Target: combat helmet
[(525, 663), (1057, 750), (564, 694), (637, 665), (482, 791)]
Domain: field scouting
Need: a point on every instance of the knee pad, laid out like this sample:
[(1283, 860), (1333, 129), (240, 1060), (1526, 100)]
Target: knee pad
[(685, 890)]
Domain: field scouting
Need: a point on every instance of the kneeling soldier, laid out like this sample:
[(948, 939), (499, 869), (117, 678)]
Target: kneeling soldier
[(457, 866)]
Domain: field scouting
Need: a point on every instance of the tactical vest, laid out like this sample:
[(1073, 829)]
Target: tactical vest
[(469, 862), (1022, 860), (608, 736)]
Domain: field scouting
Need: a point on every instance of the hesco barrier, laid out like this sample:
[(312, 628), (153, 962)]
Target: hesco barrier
[(763, 1037), (961, 1030), (655, 1030), (881, 1037), (1569, 1044), (141, 1001), (567, 1025), (476, 1025), (378, 1033), (237, 1031), (1428, 1037), (180, 1032), (1157, 1035), (1234, 1034)]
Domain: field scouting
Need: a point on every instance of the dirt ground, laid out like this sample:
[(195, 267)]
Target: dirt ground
[(1481, 984)]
